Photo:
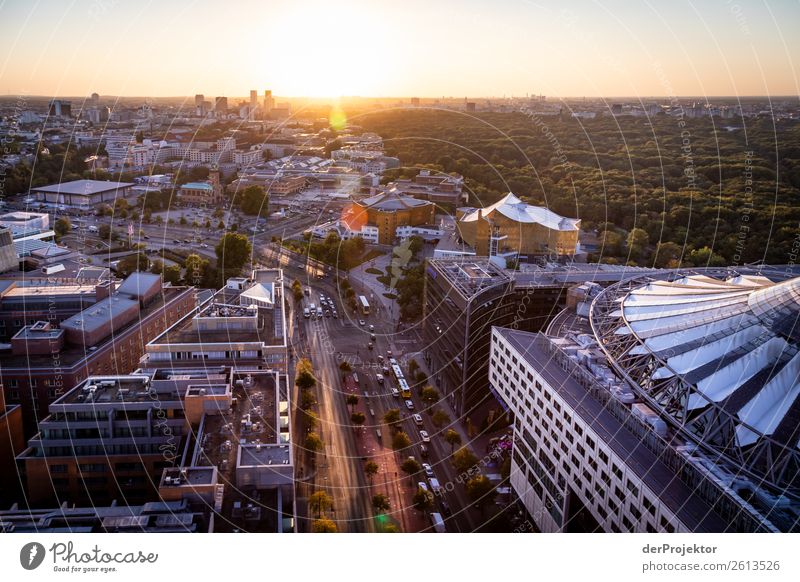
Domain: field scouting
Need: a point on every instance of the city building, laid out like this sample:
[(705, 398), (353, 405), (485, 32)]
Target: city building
[(8, 253), (153, 517), (269, 102), (378, 218), (241, 325), (465, 296), (208, 193), (221, 106), (62, 342), (512, 229), (60, 108), (666, 402), (83, 194), (12, 442), (439, 188)]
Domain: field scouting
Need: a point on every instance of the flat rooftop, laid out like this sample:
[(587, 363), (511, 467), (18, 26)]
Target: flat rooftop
[(128, 389), (84, 187), (468, 275), (72, 354), (254, 419), (224, 305), (674, 493)]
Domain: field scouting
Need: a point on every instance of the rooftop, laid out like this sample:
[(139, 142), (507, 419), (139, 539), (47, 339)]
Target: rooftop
[(198, 186), (515, 209), (679, 497), (85, 187), (392, 200)]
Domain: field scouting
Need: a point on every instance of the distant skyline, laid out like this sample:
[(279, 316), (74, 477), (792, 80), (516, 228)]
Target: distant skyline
[(451, 48)]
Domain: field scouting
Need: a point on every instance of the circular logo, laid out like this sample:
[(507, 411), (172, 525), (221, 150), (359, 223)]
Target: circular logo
[(31, 555)]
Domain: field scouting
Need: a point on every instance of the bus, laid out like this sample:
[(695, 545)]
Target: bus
[(405, 391), (363, 304), (398, 373)]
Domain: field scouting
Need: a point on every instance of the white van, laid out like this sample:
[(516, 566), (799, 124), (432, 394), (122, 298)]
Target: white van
[(435, 487)]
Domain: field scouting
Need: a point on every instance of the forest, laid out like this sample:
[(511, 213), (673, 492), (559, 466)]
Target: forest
[(664, 190)]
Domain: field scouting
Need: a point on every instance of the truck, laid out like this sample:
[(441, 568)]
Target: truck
[(438, 523)]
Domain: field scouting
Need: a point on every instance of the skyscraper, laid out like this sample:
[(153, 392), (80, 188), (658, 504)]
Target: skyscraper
[(253, 99), (269, 102)]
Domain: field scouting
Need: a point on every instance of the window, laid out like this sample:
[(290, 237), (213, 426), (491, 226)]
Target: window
[(633, 489)]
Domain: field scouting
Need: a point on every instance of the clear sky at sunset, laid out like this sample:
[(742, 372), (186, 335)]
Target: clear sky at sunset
[(399, 48)]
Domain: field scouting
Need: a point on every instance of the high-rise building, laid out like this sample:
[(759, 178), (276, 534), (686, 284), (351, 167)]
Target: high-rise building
[(253, 99), (221, 106), (269, 102), (95, 100), (60, 108), (666, 402), (465, 296)]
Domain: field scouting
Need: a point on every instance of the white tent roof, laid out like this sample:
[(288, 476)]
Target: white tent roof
[(512, 207), (720, 335)]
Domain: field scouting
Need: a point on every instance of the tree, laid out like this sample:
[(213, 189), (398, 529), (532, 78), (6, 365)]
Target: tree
[(410, 466), (429, 394), (233, 252), (307, 399), (196, 268), (371, 469), (358, 418), (62, 226), (391, 528), (480, 490), (392, 417), (440, 418), (304, 374), (637, 242), (172, 274), (313, 442), (463, 460), (452, 438), (345, 367), (413, 366), (423, 500), (254, 201), (157, 267), (323, 526), (381, 503), (132, 263), (352, 401), (104, 232), (668, 254), (297, 290), (319, 502), (400, 441)]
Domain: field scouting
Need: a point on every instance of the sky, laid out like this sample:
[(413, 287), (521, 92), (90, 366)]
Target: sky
[(433, 48)]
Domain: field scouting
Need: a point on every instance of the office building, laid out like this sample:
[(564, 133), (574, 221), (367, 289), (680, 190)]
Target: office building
[(60, 108), (440, 188), (208, 193), (666, 402), (8, 253), (55, 350), (465, 296), (12, 442), (153, 517)]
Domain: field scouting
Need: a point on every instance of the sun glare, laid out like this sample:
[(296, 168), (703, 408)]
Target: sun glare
[(333, 45)]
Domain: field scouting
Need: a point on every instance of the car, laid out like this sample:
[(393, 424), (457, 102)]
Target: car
[(423, 451), (361, 322), (418, 419), (424, 436), (327, 313), (409, 405), (424, 486), (428, 470), (370, 345), (176, 241), (335, 315), (389, 353), (146, 237), (445, 508), (395, 392), (380, 358), (385, 370), (372, 337), (371, 327)]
